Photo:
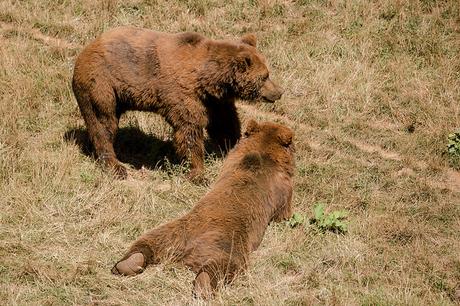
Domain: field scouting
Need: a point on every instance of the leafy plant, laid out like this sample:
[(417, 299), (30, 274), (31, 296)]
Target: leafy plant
[(296, 219), (453, 149), (333, 221), (453, 145)]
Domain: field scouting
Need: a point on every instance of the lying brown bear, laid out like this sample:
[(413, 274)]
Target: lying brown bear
[(215, 238), (190, 80)]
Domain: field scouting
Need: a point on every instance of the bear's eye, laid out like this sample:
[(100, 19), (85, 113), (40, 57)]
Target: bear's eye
[(265, 77)]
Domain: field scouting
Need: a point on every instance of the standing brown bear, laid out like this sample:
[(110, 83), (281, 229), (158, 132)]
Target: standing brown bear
[(190, 80), (215, 238)]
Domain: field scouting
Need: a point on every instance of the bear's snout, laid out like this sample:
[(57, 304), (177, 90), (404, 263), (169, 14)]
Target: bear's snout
[(270, 91)]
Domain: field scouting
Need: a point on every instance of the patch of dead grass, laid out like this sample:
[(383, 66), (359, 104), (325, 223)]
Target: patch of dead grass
[(372, 90)]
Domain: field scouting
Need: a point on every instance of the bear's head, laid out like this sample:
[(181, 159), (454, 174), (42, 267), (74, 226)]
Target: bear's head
[(252, 78), (274, 140), (237, 69)]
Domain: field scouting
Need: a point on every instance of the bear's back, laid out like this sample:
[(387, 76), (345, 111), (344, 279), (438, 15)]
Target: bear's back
[(134, 55)]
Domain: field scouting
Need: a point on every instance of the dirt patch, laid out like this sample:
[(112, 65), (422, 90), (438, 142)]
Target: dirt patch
[(384, 125), (405, 172), (453, 180), (37, 35), (450, 180), (376, 149)]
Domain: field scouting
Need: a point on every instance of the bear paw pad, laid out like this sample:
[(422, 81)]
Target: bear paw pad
[(133, 265)]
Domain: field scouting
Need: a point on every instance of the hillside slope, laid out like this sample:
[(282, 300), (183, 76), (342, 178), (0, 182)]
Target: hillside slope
[(372, 91)]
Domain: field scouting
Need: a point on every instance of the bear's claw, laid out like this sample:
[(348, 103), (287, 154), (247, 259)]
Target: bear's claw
[(119, 171)]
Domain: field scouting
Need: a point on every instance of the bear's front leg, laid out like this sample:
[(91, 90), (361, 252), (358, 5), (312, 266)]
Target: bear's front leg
[(283, 198), (221, 268), (189, 142), (188, 121), (187, 116), (202, 287)]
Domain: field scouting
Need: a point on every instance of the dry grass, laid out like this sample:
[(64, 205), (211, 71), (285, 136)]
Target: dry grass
[(373, 89)]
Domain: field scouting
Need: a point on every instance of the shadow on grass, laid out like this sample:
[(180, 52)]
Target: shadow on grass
[(132, 146), (136, 148)]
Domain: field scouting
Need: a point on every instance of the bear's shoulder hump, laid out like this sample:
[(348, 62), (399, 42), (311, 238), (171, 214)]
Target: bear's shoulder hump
[(251, 161)]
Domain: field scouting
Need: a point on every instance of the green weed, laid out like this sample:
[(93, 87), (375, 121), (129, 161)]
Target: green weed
[(333, 221), (453, 149)]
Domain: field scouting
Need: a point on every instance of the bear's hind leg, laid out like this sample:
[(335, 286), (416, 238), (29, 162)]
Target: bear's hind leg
[(135, 261), (107, 155), (132, 265), (98, 109), (166, 242)]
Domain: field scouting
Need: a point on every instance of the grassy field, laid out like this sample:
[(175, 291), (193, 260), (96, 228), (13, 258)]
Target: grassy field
[(372, 91)]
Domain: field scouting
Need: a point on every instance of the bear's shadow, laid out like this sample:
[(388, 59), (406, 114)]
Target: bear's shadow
[(136, 148)]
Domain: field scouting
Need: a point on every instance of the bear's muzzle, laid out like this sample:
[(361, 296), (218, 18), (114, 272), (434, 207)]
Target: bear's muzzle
[(271, 92)]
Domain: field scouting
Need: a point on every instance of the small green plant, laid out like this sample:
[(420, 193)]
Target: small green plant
[(453, 149), (296, 219), (333, 221)]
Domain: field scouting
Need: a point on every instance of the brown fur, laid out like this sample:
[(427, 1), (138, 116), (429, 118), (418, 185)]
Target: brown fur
[(190, 80), (215, 238)]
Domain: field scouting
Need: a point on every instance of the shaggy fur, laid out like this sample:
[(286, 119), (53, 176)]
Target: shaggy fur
[(215, 238), (190, 80)]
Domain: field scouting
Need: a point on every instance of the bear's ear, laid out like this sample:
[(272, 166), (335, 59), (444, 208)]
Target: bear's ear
[(251, 128), (249, 39), (285, 137)]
